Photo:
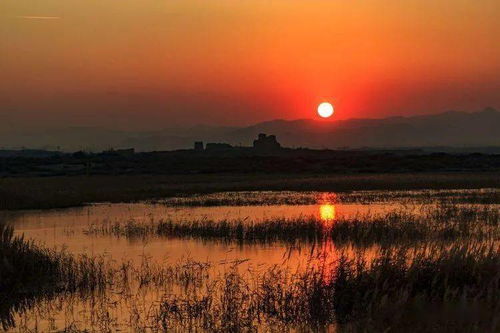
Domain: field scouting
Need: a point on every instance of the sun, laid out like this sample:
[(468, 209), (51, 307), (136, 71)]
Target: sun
[(325, 110)]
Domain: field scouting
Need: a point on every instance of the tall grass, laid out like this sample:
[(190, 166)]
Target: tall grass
[(390, 294), (426, 288), (253, 198), (441, 222), (29, 272), (31, 275), (264, 198)]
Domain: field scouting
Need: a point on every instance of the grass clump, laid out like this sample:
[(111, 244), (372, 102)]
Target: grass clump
[(34, 277), (265, 198), (29, 272), (427, 288), (393, 293), (253, 198), (442, 222)]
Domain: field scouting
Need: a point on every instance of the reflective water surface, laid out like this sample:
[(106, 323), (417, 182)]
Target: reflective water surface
[(65, 229)]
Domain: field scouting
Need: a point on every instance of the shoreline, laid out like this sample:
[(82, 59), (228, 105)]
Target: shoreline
[(73, 191)]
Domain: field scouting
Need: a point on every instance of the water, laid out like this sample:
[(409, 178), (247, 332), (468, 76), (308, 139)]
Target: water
[(65, 229)]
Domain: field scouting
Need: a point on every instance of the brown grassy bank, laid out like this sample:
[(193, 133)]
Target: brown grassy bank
[(57, 192)]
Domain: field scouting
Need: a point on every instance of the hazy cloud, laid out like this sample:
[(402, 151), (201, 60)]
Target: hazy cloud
[(39, 17)]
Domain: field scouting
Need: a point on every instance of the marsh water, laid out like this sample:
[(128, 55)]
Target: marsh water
[(68, 229)]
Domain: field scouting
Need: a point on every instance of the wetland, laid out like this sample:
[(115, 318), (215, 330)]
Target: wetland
[(257, 260)]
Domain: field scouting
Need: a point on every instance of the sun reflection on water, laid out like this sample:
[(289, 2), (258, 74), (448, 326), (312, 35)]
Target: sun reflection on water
[(327, 212)]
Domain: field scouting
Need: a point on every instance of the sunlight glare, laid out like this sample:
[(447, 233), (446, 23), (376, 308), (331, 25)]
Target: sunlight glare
[(327, 212), (325, 110)]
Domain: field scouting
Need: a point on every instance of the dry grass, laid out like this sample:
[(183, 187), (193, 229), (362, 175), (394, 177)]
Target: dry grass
[(384, 295), (265, 198), (30, 274), (392, 292), (441, 222), (438, 271), (57, 192)]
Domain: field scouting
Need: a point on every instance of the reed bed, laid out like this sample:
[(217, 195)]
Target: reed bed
[(252, 198), (382, 295), (441, 222), (427, 288), (31, 274), (437, 269), (265, 198)]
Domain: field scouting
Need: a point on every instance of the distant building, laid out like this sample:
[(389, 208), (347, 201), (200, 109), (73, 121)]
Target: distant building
[(218, 146), (266, 143), (198, 146), (120, 152)]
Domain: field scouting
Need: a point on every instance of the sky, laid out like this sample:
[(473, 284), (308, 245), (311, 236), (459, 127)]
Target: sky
[(152, 64)]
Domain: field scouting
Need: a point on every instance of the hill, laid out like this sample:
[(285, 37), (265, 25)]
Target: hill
[(454, 129), (451, 129)]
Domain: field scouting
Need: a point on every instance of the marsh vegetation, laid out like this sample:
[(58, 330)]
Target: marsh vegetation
[(265, 198), (394, 290), (434, 222), (377, 261), (30, 273), (63, 191)]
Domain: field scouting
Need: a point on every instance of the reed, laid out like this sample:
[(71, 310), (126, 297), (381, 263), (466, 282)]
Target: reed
[(391, 292), (441, 222), (29, 272), (253, 198), (387, 295), (31, 275), (265, 198)]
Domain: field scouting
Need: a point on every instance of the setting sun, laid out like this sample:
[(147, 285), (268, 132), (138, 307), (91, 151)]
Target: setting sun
[(325, 110)]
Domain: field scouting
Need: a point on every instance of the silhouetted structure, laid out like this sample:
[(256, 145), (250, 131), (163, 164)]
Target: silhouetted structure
[(120, 152), (266, 143), (198, 146), (218, 146)]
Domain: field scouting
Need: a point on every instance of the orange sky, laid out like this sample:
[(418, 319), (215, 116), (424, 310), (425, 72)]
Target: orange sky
[(156, 63)]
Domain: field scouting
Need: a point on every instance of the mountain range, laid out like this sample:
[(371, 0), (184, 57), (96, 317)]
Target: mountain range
[(450, 129)]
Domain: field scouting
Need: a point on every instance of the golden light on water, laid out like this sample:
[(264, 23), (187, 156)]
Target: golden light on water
[(327, 212)]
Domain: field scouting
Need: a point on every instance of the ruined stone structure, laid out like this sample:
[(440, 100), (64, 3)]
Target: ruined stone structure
[(266, 143), (198, 146)]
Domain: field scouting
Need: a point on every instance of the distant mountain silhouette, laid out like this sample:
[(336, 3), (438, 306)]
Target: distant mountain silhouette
[(452, 129), (445, 129)]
